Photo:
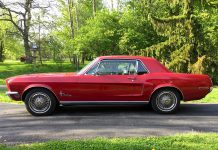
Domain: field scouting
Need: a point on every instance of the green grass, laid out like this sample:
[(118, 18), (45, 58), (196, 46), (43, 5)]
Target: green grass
[(190, 141), (13, 68)]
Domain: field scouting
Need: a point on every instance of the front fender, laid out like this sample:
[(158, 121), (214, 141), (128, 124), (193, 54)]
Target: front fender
[(37, 86)]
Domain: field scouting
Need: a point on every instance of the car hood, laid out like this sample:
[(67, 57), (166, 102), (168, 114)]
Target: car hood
[(42, 75)]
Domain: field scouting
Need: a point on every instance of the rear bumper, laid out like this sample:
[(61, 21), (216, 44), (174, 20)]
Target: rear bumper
[(211, 88), (13, 95)]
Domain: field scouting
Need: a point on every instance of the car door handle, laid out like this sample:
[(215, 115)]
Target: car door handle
[(131, 78)]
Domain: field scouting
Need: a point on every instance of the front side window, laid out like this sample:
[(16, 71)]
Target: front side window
[(117, 67), (88, 66), (92, 70)]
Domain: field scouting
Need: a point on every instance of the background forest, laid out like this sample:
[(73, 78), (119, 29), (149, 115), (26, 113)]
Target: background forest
[(181, 34)]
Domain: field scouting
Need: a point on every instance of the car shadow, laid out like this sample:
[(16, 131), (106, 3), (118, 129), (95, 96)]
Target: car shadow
[(186, 109)]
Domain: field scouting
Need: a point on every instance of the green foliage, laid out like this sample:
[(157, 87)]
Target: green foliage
[(137, 32), (100, 35), (11, 45), (190, 141), (191, 30)]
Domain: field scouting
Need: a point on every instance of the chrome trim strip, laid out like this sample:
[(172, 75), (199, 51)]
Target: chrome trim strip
[(203, 88), (11, 93), (102, 102)]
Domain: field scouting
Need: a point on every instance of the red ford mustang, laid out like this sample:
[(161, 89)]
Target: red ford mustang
[(110, 80)]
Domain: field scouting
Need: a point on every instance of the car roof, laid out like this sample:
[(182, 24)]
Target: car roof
[(125, 57), (151, 63)]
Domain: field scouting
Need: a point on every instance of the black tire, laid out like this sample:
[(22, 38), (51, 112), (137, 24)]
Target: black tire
[(171, 101), (40, 102)]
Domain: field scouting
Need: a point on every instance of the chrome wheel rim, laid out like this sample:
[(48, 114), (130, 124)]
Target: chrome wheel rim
[(39, 102), (166, 101)]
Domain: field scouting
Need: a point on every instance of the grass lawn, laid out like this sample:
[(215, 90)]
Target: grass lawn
[(12, 68), (190, 141)]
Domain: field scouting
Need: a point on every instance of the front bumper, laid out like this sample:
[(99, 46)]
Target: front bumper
[(13, 95)]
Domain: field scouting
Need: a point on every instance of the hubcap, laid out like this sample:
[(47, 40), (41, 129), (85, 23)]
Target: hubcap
[(39, 102), (166, 101)]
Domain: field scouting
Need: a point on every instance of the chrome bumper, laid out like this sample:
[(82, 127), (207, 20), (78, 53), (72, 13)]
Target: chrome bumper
[(211, 89), (12, 93)]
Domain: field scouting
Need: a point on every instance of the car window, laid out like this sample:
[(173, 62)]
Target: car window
[(92, 70), (141, 69), (87, 66), (117, 67)]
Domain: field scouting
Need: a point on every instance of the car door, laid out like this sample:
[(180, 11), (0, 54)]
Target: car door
[(111, 80)]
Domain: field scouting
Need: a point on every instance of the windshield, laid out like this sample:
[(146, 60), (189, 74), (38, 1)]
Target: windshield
[(83, 70)]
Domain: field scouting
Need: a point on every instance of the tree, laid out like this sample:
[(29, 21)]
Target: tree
[(186, 48), (100, 36), (22, 21), (137, 32)]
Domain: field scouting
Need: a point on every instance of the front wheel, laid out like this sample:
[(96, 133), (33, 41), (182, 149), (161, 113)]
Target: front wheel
[(40, 102), (165, 101)]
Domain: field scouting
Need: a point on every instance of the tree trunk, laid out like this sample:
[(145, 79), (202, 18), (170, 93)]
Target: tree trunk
[(112, 4), (70, 6), (27, 20), (27, 49), (83, 58), (94, 7), (77, 18), (1, 51), (39, 47)]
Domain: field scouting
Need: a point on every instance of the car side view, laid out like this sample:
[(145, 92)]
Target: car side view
[(110, 80)]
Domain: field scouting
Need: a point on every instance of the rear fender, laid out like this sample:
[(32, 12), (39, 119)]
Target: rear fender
[(165, 86)]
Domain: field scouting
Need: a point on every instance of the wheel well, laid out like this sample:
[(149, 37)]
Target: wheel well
[(28, 90), (168, 88)]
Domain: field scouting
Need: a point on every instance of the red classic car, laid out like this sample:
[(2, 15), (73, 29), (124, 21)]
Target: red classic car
[(110, 80)]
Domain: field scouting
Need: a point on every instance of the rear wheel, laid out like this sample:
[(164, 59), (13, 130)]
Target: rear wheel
[(40, 102), (165, 101)]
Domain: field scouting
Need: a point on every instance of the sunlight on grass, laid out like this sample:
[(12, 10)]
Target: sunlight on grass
[(190, 141)]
